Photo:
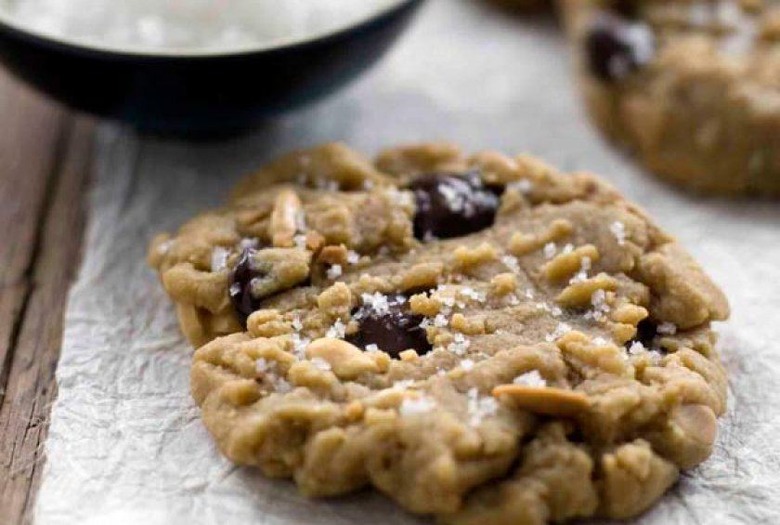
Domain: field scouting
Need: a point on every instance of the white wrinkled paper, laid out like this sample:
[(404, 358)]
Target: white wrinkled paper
[(126, 444)]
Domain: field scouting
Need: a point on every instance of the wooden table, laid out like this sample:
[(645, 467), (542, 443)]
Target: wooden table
[(44, 168)]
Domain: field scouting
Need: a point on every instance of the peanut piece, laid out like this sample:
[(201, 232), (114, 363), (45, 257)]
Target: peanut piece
[(564, 265), (523, 244), (346, 360), (578, 294), (504, 283), (545, 400), (423, 275), (465, 258), (629, 314), (285, 218)]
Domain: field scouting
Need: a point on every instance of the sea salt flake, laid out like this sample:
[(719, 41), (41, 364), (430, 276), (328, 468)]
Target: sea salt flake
[(655, 356), (666, 328), (420, 405), (334, 272), (337, 331), (372, 348), (636, 348), (560, 330), (480, 407), (297, 325), (467, 364), (320, 364), (377, 301), (353, 257), (582, 274), (400, 198), (511, 262), (165, 246), (263, 366), (549, 250), (524, 186), (249, 243), (618, 229), (440, 321), (219, 257), (459, 345), (403, 384), (532, 379), (300, 241), (281, 385)]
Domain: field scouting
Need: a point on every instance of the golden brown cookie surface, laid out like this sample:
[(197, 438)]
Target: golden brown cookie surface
[(480, 337), (691, 86)]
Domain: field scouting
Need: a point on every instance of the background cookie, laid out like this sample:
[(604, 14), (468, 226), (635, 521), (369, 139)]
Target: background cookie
[(692, 87), (470, 335)]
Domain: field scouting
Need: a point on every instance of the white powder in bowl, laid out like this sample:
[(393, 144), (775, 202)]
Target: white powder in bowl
[(188, 25)]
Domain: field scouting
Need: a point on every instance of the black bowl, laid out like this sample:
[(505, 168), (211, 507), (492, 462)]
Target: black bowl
[(199, 93)]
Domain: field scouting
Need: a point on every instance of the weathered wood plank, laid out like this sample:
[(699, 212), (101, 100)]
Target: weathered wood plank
[(44, 167), (29, 136)]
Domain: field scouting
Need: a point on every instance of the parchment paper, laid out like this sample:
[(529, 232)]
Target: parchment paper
[(126, 444)]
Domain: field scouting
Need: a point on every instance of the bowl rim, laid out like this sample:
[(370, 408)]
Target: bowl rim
[(87, 47)]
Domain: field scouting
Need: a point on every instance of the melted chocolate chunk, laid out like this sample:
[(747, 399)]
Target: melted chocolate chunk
[(646, 333), (240, 285), (616, 47), (450, 205), (392, 327)]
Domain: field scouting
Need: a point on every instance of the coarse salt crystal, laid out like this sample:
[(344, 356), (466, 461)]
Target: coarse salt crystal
[(618, 229), (372, 348), (459, 345), (480, 407), (412, 406), (532, 379), (523, 186), (511, 262), (299, 345), (377, 302), (248, 243), (165, 247), (667, 328), (320, 364), (262, 365), (560, 330), (549, 250), (467, 364), (219, 257), (353, 257), (334, 272), (338, 330), (300, 241)]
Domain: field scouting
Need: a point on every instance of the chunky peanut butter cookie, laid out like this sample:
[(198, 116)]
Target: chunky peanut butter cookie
[(481, 338), (692, 86)]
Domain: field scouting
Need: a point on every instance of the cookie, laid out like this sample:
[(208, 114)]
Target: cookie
[(692, 87), (481, 338)]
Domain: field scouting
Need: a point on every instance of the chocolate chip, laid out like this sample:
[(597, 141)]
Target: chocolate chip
[(451, 205), (240, 285), (391, 326), (646, 334), (616, 47)]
